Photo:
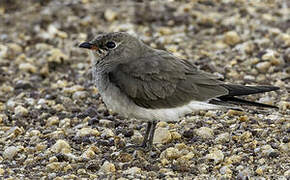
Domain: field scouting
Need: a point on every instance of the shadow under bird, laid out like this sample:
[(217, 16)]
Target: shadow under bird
[(137, 81)]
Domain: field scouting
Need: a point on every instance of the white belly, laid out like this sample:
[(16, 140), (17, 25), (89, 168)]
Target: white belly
[(121, 104)]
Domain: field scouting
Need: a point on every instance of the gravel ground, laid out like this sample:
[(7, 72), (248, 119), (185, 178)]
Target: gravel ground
[(53, 124)]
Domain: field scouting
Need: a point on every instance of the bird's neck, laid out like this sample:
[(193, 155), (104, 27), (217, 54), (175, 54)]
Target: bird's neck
[(100, 77)]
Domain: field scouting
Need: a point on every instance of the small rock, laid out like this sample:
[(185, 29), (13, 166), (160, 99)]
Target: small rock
[(263, 66), (106, 123), (79, 95), (34, 132), (51, 121), (10, 152), (137, 137), (287, 174), (225, 170), (108, 167), (15, 48), (108, 133), (15, 131), (73, 89), (205, 132), (266, 150), (170, 153), (110, 15), (216, 155), (54, 166), (27, 67), (125, 157), (285, 39), (87, 131), (259, 171), (57, 56), (232, 112), (232, 38), (21, 111), (61, 146), (133, 171), (162, 135), (222, 138), (285, 147), (165, 31), (3, 51), (89, 154), (244, 174), (175, 135), (2, 171)]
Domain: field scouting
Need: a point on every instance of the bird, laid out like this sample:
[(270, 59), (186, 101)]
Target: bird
[(152, 85)]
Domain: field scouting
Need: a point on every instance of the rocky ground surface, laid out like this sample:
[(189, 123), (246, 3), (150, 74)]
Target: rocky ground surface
[(53, 124)]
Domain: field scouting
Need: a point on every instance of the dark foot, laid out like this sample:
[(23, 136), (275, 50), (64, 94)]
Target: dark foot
[(148, 139)]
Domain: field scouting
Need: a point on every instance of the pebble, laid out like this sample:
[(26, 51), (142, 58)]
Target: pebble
[(285, 39), (266, 150), (34, 132), (10, 152), (287, 174), (170, 153), (108, 167), (225, 170), (72, 89), (21, 111), (259, 171), (162, 135), (78, 95), (14, 48), (232, 38), (285, 147), (89, 154), (165, 31), (269, 55), (108, 133), (14, 131), (61, 146), (204, 132), (51, 121), (263, 66), (133, 171), (175, 135), (87, 131), (216, 155), (232, 112), (110, 15), (125, 157), (2, 171), (54, 166), (57, 56), (137, 137), (3, 51), (222, 138), (106, 123)]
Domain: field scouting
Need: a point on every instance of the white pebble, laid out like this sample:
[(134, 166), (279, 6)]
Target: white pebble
[(108, 167), (216, 155), (204, 132), (10, 152), (162, 135), (61, 146), (21, 111), (222, 138), (133, 171)]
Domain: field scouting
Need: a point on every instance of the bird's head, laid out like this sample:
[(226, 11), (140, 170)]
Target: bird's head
[(113, 48)]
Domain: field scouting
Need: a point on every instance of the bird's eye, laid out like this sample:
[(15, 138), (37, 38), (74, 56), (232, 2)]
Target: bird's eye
[(110, 45)]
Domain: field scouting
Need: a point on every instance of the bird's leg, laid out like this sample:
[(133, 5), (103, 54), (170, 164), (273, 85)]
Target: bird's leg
[(148, 130), (152, 132), (148, 137)]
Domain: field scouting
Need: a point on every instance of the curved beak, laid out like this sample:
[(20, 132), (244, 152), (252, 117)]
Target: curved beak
[(86, 45)]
